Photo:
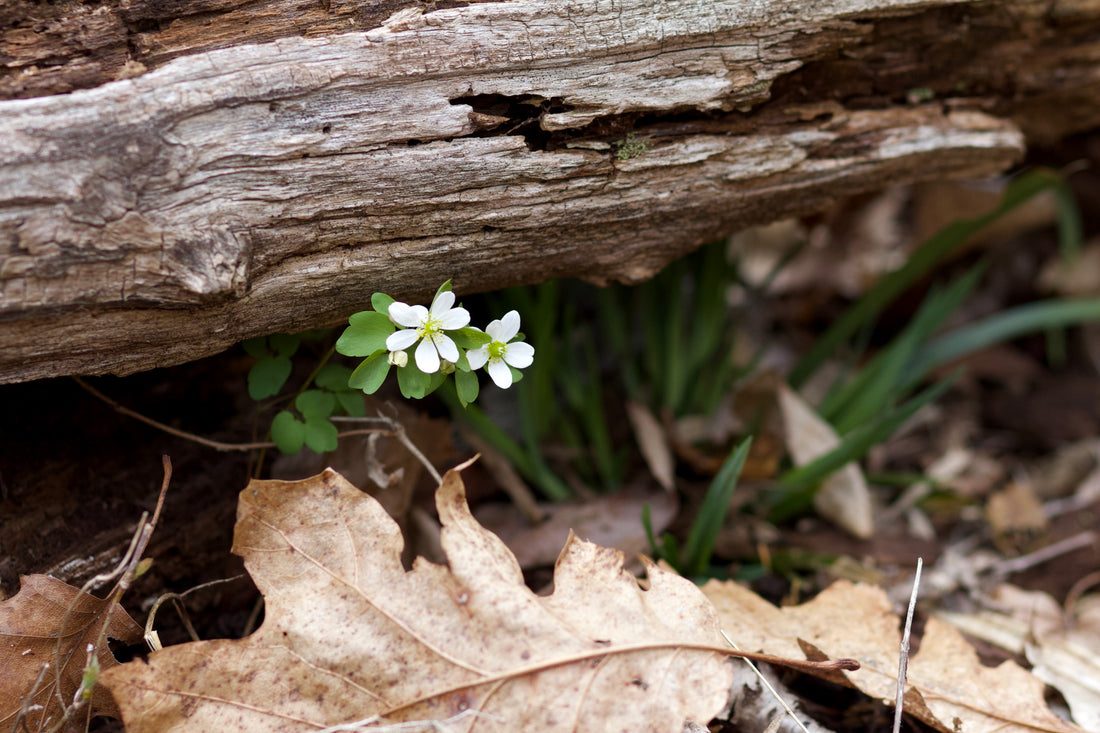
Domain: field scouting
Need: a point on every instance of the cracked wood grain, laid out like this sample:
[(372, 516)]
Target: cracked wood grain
[(195, 195)]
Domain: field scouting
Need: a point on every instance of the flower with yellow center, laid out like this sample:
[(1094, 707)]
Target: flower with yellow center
[(428, 326), (497, 355)]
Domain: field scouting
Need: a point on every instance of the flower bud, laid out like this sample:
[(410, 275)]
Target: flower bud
[(398, 358)]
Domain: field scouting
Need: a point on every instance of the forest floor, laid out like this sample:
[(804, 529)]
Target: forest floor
[(1014, 446)]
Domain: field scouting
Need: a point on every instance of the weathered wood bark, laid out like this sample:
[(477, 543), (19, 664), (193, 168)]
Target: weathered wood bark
[(252, 167)]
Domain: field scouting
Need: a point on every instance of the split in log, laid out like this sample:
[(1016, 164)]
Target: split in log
[(170, 186)]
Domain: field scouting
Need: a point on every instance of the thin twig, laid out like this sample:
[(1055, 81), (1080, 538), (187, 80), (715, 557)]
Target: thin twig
[(215, 444), (180, 609), (28, 705), (1044, 554), (768, 685), (903, 656), (398, 431), (374, 724), (125, 571), (253, 617)]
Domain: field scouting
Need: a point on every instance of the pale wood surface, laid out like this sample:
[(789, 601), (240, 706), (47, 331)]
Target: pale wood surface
[(261, 167)]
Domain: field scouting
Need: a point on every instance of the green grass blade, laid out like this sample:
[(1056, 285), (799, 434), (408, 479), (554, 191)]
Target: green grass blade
[(798, 485), (712, 513), (1003, 326), (920, 262), (880, 384)]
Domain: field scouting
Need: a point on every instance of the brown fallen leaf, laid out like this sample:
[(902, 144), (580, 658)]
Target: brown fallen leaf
[(843, 498), (948, 688), (30, 625), (654, 443), (350, 634), (611, 520), (1062, 645)]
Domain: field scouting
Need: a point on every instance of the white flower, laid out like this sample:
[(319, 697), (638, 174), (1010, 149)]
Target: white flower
[(499, 354), (427, 327)]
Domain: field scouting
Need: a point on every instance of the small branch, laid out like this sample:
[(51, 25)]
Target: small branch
[(216, 445), (768, 685), (1044, 554), (125, 571), (152, 640), (398, 431), (903, 657)]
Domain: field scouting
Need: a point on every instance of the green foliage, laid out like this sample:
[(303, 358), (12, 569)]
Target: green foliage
[(695, 557), (931, 253), (670, 340), (629, 147), (366, 334), (307, 422), (683, 362), (872, 402), (333, 388), (272, 367), (369, 333)]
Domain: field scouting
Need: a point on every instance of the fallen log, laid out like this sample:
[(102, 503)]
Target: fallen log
[(172, 185)]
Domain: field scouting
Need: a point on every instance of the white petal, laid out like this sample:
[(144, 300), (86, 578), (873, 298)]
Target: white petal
[(454, 319), (443, 303), (520, 354), (407, 315), (427, 358), (477, 357), (509, 326), (494, 329), (446, 347), (500, 373), (399, 340)]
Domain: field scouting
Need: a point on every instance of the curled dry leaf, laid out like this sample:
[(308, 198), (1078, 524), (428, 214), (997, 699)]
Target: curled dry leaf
[(350, 634), (30, 626), (654, 444), (948, 688), (611, 520), (1062, 645), (843, 498)]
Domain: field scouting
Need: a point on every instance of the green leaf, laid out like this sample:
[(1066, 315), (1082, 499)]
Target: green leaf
[(315, 404), (798, 485), (435, 381), (470, 337), (712, 514), (1003, 326), (352, 402), (442, 289), (920, 262), (256, 347), (412, 382), (288, 432), (267, 376), (320, 435), (366, 335), (370, 374), (284, 344), (381, 302), (467, 386), (333, 377)]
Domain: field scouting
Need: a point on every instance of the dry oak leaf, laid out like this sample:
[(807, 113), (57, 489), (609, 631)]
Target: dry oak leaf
[(948, 687), (30, 627), (349, 634)]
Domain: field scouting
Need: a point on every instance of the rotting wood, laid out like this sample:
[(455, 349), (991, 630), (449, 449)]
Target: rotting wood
[(249, 169)]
